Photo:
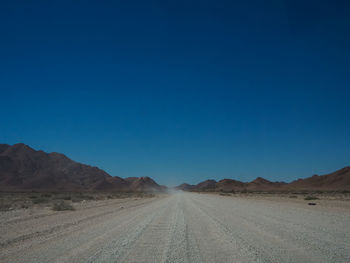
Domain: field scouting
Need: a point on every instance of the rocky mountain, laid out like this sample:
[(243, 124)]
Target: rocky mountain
[(228, 185), (261, 184), (337, 181), (143, 184), (206, 185), (23, 168), (185, 187)]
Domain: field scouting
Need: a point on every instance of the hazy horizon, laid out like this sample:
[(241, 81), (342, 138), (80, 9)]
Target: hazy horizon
[(180, 91)]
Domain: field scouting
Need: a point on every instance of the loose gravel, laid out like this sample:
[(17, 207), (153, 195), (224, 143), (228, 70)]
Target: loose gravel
[(182, 227)]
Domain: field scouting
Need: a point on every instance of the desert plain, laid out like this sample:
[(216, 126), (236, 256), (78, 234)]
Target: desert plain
[(180, 227)]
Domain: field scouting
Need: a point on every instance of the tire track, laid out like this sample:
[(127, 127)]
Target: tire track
[(186, 228)]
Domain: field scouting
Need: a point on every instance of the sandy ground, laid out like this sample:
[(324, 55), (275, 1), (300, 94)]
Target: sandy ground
[(183, 227)]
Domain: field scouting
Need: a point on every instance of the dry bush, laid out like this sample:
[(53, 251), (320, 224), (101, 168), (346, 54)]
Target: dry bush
[(309, 197), (40, 200), (62, 206)]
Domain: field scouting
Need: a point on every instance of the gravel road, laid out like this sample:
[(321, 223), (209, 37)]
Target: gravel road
[(183, 227)]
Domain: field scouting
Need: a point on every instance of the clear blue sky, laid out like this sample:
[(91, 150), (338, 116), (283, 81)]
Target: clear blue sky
[(180, 90)]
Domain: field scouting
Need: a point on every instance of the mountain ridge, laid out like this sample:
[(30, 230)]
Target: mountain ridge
[(23, 169), (336, 181)]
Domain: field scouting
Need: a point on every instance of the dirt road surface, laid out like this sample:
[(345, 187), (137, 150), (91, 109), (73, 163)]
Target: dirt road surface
[(183, 227)]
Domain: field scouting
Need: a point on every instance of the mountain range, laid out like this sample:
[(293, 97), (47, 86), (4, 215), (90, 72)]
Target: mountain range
[(336, 181), (23, 168)]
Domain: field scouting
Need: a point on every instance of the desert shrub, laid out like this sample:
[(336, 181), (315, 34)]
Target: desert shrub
[(5, 207), (293, 196), (62, 197), (46, 195), (80, 197), (225, 194), (309, 197), (100, 197), (87, 197), (40, 200), (62, 206)]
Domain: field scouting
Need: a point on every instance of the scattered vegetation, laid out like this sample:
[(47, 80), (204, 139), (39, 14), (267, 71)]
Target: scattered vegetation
[(25, 200), (4, 207), (62, 206), (310, 197), (40, 200)]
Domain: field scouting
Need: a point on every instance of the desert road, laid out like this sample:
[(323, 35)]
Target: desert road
[(182, 227)]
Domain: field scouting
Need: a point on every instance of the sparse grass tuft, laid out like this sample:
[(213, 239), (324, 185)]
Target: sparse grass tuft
[(62, 206), (4, 207), (40, 200), (24, 200), (309, 197)]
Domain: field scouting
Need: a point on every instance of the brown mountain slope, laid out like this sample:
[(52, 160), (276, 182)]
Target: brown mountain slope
[(261, 184), (131, 179), (185, 187), (3, 147), (143, 184), (227, 185), (23, 168), (336, 181), (208, 185)]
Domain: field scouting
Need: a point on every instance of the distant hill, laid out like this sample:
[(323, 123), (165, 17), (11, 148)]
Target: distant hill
[(228, 185), (185, 187), (337, 181), (206, 185), (23, 168), (143, 184), (261, 184)]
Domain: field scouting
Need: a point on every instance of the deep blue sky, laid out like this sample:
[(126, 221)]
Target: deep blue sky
[(180, 90)]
